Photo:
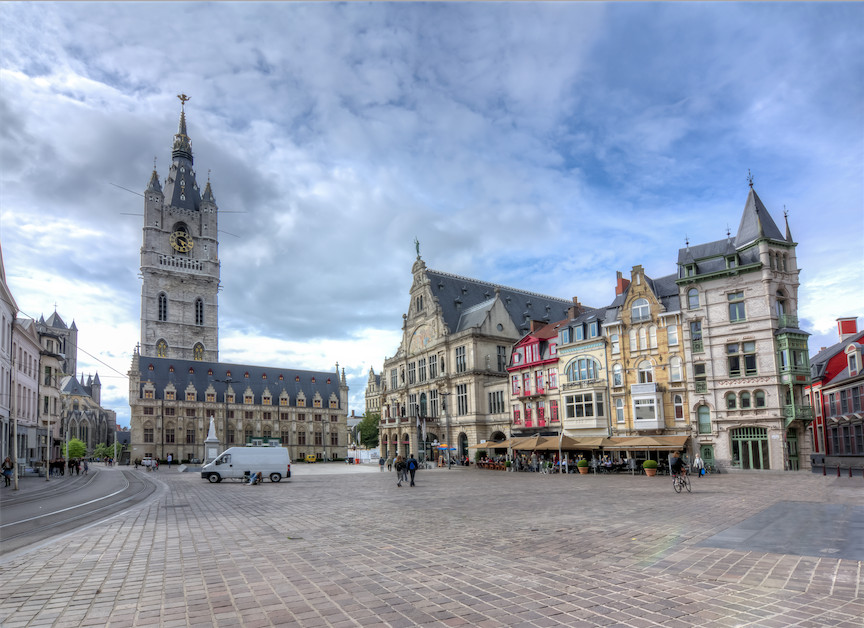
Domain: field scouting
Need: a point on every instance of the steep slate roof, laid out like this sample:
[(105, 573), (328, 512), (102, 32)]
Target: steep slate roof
[(161, 376), (756, 223), (459, 296), (819, 362), (55, 321), (71, 386)]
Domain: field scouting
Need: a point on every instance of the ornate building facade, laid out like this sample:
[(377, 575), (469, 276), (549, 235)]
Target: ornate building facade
[(176, 383), (447, 382)]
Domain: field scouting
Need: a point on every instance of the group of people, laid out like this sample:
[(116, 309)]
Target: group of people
[(404, 467), (151, 464)]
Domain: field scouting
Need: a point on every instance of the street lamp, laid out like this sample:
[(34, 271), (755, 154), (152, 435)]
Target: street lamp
[(227, 383), (449, 442)]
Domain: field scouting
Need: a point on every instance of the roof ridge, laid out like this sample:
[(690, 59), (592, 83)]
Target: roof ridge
[(503, 287)]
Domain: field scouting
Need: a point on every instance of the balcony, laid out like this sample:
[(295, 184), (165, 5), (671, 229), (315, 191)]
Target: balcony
[(585, 383), (643, 389), (788, 320), (649, 424), (792, 412)]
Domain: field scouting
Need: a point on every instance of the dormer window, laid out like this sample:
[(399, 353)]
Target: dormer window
[(640, 310), (690, 270), (853, 359), (731, 261)]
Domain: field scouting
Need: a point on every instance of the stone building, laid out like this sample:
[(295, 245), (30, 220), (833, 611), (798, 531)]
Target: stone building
[(747, 359), (447, 382), (8, 312), (82, 415), (176, 383)]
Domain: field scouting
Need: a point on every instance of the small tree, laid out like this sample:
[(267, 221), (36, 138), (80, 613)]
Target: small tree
[(368, 430), (76, 448)]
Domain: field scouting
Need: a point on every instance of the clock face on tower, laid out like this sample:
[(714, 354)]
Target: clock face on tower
[(181, 241)]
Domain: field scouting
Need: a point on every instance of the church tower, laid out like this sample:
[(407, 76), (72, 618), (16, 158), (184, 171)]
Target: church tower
[(179, 261)]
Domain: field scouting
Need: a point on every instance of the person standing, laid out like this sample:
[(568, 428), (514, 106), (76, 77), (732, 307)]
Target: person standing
[(86, 466), (412, 467), (170, 460), (698, 465), (390, 463), (7, 471), (400, 470)]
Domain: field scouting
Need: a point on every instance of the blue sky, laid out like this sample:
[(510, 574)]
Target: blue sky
[(543, 146)]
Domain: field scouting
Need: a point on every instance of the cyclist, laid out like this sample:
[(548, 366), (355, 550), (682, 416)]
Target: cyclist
[(676, 464)]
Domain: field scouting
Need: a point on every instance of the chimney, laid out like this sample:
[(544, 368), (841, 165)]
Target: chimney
[(621, 284), (847, 327), (535, 325), (576, 309)]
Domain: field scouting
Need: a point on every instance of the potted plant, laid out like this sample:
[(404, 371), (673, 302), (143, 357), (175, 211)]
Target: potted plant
[(650, 467), (582, 465), (507, 466)]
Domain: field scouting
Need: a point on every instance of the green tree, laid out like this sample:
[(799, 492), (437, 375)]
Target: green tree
[(76, 448), (104, 450), (368, 430)]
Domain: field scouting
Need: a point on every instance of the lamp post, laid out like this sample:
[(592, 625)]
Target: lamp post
[(449, 443)]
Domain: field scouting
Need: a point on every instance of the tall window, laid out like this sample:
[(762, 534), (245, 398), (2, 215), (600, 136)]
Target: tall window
[(433, 366), (704, 415), (190, 436), (163, 306), (148, 434), (394, 382), (676, 372), (741, 357), (496, 402), (692, 298), (462, 399), (672, 335), (198, 351), (553, 409), (461, 366), (643, 339), (619, 410), (640, 310), (617, 375), (412, 372), (553, 378), (199, 311), (646, 372), (615, 340), (696, 337), (421, 369), (652, 337), (433, 403), (736, 307), (169, 435), (759, 398), (502, 358), (678, 403), (516, 389), (781, 304), (730, 401), (161, 349)]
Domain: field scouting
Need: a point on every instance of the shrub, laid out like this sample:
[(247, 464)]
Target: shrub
[(649, 464), (582, 463)]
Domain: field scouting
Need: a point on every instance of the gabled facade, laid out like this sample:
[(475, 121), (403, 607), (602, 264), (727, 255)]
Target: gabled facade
[(82, 415), (646, 357), (836, 395), (447, 382), (373, 393), (24, 404), (747, 358), (534, 398)]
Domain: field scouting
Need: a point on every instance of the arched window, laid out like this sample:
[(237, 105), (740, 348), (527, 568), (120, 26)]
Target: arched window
[(640, 310), (161, 349), (704, 415), (785, 259), (652, 337), (771, 258), (731, 403), (617, 375), (616, 343), (676, 373), (619, 410), (692, 298), (759, 397), (643, 339), (678, 402), (646, 372), (745, 400), (163, 306), (198, 351), (632, 335), (583, 369), (781, 304), (199, 311)]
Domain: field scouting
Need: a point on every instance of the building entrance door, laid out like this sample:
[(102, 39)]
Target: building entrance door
[(706, 452), (750, 448), (792, 448)]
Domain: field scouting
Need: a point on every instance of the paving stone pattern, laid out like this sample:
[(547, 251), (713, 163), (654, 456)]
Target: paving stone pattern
[(465, 547)]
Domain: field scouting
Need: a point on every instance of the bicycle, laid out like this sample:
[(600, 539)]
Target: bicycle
[(681, 481)]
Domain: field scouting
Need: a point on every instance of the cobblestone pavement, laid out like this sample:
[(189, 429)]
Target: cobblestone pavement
[(465, 547)]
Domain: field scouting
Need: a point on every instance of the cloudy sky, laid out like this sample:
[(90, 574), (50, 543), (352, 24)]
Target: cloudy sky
[(540, 146)]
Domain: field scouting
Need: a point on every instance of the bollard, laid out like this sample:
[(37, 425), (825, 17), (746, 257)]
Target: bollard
[(838, 470), (850, 470), (824, 471)]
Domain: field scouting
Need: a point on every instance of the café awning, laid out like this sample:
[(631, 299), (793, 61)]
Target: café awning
[(489, 444), (646, 443)]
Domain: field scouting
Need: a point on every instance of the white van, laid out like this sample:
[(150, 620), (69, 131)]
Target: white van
[(241, 462)]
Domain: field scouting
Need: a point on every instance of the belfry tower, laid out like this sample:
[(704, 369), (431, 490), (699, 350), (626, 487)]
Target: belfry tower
[(179, 261)]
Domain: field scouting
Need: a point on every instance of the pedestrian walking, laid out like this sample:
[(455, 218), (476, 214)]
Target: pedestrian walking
[(381, 463), (698, 466), (86, 467), (389, 463), (412, 467), (400, 470), (7, 471)]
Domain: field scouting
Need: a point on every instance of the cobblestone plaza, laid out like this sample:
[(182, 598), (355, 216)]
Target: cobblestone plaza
[(340, 547)]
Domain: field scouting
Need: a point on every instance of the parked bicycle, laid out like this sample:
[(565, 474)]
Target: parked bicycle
[(681, 481)]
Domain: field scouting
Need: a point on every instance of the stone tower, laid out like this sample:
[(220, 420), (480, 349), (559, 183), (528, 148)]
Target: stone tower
[(179, 261)]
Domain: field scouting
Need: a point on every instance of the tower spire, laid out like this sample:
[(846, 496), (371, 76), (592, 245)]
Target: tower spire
[(182, 143)]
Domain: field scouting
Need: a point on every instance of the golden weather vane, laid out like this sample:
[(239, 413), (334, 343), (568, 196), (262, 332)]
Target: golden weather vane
[(183, 100)]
